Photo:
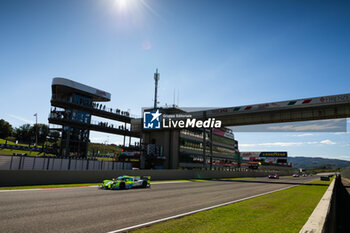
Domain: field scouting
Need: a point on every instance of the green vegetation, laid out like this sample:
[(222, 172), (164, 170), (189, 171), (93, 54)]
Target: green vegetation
[(3, 141), (5, 129), (98, 148), (29, 153), (94, 148), (11, 151), (283, 211)]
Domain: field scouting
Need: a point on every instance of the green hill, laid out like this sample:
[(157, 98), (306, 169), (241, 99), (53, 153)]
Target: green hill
[(312, 163)]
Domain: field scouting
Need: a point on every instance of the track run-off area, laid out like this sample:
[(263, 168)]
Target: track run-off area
[(88, 209)]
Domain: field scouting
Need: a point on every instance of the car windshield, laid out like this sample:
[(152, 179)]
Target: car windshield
[(123, 178)]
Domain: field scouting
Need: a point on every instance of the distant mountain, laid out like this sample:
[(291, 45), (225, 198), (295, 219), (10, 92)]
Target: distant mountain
[(311, 163)]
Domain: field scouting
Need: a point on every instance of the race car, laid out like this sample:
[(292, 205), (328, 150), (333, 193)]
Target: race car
[(274, 176), (127, 182)]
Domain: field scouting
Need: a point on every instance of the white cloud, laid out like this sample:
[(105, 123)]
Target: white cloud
[(281, 144), (313, 127), (341, 133), (287, 144), (328, 142), (303, 135), (98, 139), (21, 119)]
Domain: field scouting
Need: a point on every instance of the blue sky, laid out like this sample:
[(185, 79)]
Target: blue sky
[(213, 53)]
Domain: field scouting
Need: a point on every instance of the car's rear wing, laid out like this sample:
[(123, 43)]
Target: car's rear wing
[(147, 178)]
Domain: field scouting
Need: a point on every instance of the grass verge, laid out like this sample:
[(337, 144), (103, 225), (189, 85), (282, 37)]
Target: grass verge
[(282, 211), (29, 153), (3, 141)]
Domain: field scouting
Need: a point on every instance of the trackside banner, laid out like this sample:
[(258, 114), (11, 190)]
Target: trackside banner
[(273, 154)]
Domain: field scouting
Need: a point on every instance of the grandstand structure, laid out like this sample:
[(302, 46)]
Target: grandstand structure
[(72, 106)]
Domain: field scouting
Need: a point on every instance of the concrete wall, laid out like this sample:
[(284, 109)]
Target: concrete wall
[(332, 213), (24, 177), (346, 173)]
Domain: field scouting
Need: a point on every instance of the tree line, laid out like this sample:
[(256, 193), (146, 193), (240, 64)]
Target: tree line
[(27, 133)]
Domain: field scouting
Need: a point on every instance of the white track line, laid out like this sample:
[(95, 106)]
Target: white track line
[(41, 189), (170, 182), (18, 190), (95, 186), (193, 212), (92, 186)]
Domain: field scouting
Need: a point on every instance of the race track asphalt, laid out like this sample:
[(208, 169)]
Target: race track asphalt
[(88, 209)]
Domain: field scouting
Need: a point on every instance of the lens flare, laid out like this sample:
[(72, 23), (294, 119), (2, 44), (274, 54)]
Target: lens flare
[(122, 4)]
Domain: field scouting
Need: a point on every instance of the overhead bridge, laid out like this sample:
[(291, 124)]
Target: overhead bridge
[(317, 108)]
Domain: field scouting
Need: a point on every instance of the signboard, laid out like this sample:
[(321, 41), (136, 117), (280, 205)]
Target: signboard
[(130, 153), (273, 154), (223, 133), (256, 154)]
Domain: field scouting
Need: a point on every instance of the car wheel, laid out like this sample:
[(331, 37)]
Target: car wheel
[(144, 184), (122, 186)]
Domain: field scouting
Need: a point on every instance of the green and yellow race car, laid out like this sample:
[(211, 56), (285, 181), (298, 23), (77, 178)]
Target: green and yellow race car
[(127, 182)]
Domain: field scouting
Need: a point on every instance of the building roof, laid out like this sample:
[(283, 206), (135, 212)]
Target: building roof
[(68, 85)]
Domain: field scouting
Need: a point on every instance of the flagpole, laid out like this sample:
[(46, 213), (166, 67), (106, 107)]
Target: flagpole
[(36, 129)]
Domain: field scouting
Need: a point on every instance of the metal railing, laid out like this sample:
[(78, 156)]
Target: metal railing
[(55, 115), (53, 163), (98, 106)]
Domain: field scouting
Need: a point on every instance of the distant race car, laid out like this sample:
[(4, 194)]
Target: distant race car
[(274, 176), (127, 182), (296, 175)]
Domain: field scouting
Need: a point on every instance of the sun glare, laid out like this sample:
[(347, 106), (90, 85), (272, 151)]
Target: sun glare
[(122, 4), (131, 14)]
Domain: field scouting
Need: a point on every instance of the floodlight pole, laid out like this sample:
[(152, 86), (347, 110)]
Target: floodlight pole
[(36, 129), (156, 79)]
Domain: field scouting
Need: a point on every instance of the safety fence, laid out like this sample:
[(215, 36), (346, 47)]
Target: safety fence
[(52, 163)]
